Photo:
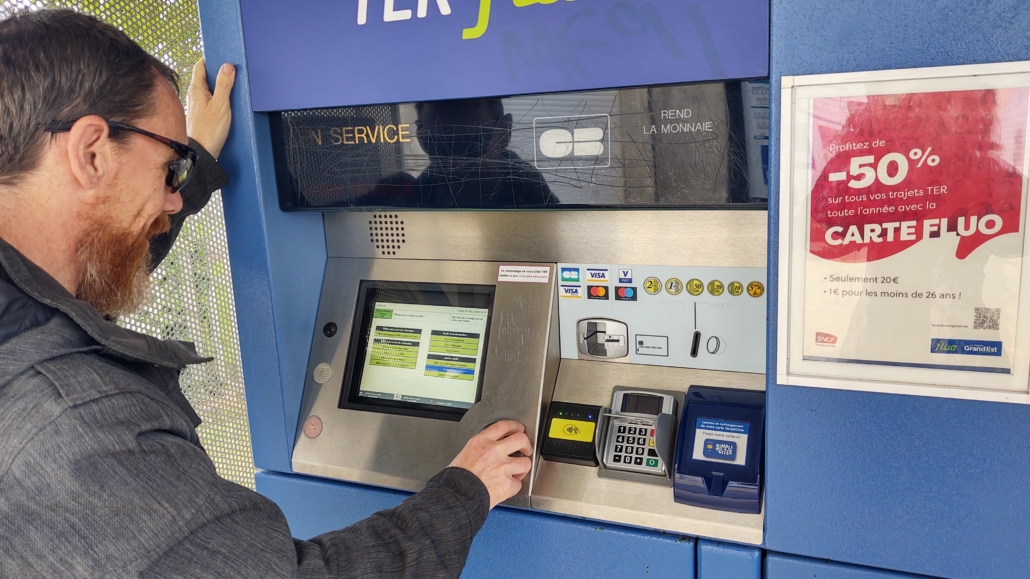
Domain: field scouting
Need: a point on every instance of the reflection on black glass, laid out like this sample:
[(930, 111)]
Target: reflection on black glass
[(470, 162), (668, 146)]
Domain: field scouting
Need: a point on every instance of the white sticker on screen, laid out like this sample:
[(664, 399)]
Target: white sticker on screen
[(524, 273), (722, 441)]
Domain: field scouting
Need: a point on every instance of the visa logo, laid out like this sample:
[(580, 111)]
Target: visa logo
[(571, 291), (824, 338), (625, 276), (597, 275), (570, 274)]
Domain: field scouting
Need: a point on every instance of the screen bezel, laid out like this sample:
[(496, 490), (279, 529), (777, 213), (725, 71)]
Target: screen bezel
[(420, 293)]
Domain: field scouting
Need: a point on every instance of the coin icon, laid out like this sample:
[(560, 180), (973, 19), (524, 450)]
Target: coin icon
[(673, 286), (735, 288), (652, 285), (755, 289), (715, 287), (695, 287)]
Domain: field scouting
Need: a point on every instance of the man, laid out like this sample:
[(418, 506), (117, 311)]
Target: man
[(101, 471), (471, 165)]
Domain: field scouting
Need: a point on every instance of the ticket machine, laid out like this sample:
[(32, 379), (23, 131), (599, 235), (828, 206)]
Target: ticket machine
[(526, 295), (643, 120), (556, 214)]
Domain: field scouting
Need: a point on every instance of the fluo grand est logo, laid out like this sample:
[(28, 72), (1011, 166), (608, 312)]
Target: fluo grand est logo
[(394, 12)]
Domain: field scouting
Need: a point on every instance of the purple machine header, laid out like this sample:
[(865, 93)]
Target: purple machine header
[(328, 53)]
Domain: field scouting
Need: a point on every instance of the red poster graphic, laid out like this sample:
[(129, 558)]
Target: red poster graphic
[(893, 171)]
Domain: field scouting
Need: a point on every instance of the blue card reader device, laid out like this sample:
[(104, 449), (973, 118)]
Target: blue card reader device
[(719, 449)]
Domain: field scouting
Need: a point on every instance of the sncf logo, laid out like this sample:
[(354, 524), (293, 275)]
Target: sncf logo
[(824, 338), (573, 142)]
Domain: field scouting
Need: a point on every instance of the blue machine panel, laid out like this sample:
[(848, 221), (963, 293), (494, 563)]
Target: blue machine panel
[(727, 561), (513, 543), (277, 259), (786, 567), (894, 482), (320, 54)]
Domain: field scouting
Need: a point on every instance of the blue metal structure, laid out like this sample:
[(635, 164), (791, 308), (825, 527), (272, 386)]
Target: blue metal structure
[(896, 484), (914, 484), (537, 47)]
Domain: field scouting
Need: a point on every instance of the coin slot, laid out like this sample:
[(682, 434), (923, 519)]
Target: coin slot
[(695, 345)]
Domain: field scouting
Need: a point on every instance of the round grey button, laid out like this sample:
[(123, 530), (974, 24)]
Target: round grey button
[(322, 373)]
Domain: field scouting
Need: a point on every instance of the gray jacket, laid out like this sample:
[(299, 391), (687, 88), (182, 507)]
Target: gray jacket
[(102, 473)]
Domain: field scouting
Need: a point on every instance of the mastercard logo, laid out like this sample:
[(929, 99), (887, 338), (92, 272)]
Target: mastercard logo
[(597, 292)]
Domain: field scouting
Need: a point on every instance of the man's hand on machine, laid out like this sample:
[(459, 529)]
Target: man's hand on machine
[(488, 456)]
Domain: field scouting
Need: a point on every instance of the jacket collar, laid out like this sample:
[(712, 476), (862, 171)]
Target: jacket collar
[(116, 341)]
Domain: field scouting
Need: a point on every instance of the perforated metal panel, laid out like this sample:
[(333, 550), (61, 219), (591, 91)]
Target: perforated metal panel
[(192, 298)]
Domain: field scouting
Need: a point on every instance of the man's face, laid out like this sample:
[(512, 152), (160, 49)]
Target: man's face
[(114, 252)]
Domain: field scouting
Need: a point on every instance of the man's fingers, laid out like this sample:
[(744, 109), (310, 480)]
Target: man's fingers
[(501, 429), (519, 467), (517, 442), (199, 76), (225, 81)]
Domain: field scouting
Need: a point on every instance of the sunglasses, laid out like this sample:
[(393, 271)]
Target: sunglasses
[(179, 171)]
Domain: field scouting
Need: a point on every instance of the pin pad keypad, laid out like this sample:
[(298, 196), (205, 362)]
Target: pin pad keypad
[(632, 444)]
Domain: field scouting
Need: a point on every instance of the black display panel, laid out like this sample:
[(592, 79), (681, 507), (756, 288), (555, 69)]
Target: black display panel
[(418, 348), (641, 404), (696, 145)]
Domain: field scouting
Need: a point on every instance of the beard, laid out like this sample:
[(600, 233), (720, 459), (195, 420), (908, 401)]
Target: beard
[(114, 266)]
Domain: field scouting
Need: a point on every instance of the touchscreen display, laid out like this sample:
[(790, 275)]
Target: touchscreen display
[(424, 354), (722, 441)]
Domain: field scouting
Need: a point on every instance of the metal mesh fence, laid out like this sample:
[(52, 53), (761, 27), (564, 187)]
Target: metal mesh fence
[(192, 298)]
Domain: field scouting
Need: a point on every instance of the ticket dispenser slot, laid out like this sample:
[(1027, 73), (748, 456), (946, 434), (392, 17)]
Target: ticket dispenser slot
[(719, 454), (639, 436)]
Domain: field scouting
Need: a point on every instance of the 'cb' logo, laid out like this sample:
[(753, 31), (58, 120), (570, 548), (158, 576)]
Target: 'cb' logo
[(572, 142)]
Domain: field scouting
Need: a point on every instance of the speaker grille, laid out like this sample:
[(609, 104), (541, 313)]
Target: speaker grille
[(386, 233)]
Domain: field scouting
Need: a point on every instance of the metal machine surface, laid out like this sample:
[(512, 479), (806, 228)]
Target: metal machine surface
[(403, 446), (533, 352)]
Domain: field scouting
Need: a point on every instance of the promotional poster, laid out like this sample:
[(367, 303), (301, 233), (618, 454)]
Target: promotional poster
[(916, 225)]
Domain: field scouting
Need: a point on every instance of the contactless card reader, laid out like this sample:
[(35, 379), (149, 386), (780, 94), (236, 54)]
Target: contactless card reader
[(569, 433), (719, 456), (639, 436)]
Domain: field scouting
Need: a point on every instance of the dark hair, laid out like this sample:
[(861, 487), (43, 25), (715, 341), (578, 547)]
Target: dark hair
[(494, 106), (61, 65)]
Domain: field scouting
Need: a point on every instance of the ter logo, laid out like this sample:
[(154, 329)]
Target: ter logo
[(572, 142)]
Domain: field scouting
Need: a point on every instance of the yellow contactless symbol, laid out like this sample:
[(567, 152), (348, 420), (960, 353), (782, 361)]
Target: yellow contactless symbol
[(715, 287), (735, 288), (673, 286), (577, 430), (652, 285), (755, 289), (695, 287)]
